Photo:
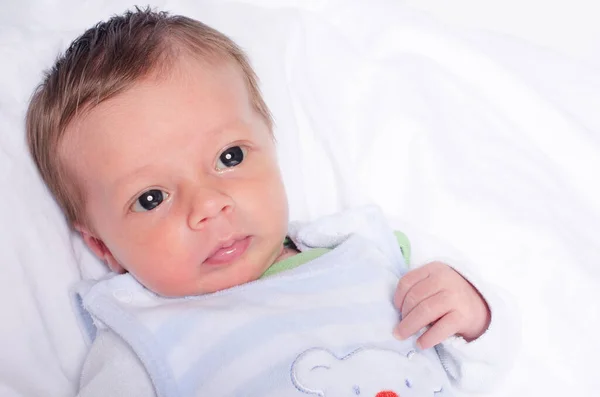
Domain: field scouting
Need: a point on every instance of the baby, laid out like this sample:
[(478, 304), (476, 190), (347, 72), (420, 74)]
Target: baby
[(152, 135)]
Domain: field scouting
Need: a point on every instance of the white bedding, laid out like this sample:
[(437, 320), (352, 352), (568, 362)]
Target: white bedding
[(490, 143)]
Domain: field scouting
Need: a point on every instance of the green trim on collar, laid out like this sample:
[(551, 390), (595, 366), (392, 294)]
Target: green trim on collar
[(308, 255)]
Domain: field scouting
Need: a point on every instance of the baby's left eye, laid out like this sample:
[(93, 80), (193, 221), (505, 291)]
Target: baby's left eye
[(231, 157)]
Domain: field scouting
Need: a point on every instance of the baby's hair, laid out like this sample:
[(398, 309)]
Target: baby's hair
[(105, 61)]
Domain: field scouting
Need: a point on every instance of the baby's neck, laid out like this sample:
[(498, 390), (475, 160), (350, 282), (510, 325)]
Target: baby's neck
[(286, 252)]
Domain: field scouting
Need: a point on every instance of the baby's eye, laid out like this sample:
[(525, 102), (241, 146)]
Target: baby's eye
[(231, 157), (149, 200)]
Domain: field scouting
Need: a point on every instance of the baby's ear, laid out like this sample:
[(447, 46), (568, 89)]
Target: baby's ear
[(99, 249)]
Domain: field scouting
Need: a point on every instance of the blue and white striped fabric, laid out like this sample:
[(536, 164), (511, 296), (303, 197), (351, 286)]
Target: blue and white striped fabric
[(322, 329)]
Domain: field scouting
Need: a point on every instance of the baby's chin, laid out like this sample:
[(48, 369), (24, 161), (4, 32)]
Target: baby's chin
[(246, 270), (204, 289), (224, 286), (215, 278), (233, 281), (216, 282)]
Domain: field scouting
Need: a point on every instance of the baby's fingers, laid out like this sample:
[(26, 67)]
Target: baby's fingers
[(407, 282), (426, 312), (440, 331), (421, 291)]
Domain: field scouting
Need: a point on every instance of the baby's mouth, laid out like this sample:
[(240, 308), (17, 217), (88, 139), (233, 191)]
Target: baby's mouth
[(228, 251)]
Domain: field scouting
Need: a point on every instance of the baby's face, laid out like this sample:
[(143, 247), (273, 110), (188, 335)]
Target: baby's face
[(181, 181)]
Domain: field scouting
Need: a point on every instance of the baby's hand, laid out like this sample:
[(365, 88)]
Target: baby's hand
[(436, 295)]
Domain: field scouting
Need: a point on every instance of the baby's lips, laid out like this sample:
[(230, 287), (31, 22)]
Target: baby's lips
[(228, 252)]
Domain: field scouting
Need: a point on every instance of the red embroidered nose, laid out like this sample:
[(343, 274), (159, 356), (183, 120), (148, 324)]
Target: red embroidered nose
[(386, 393)]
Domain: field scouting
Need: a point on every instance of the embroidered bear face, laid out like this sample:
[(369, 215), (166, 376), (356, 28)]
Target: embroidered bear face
[(368, 372)]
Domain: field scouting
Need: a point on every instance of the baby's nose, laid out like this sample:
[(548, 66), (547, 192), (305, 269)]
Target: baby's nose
[(207, 205), (387, 393)]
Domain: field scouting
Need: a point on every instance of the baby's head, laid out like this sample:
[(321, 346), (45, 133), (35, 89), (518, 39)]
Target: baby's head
[(151, 133)]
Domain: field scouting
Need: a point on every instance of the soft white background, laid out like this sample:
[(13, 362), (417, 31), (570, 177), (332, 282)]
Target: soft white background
[(569, 27), (479, 125)]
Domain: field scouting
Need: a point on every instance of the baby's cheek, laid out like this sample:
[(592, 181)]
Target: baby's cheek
[(151, 261), (167, 280)]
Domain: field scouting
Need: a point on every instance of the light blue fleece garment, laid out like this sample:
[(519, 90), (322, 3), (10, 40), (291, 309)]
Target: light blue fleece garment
[(321, 329)]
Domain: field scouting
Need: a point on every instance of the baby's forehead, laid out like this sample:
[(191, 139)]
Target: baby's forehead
[(194, 99), (215, 78), (215, 83)]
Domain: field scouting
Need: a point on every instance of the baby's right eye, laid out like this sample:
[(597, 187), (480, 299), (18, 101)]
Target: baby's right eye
[(149, 200)]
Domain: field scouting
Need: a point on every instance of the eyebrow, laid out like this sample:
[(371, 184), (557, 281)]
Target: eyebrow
[(120, 183)]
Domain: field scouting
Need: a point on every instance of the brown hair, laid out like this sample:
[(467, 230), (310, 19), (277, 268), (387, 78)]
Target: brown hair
[(103, 62)]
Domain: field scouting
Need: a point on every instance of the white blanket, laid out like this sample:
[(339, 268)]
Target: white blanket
[(484, 141)]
